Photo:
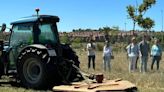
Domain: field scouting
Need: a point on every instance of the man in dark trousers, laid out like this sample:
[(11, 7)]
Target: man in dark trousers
[(143, 53)]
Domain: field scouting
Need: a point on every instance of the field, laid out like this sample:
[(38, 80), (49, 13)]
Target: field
[(152, 81)]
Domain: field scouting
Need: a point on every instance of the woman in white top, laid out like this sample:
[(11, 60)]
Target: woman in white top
[(91, 54), (107, 53), (133, 51)]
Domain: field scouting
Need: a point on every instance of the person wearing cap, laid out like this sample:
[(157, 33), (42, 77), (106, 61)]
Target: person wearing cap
[(107, 53), (133, 52), (156, 54), (143, 53)]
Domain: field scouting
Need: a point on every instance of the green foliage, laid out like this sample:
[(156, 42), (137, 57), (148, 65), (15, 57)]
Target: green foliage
[(146, 4), (141, 8), (77, 40), (146, 23), (139, 38), (83, 30), (77, 45), (136, 14), (159, 35), (131, 12), (105, 30), (100, 46), (115, 47), (115, 28), (65, 39), (30, 40)]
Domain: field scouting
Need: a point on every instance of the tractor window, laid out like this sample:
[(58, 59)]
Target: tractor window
[(47, 35), (22, 35), (24, 28)]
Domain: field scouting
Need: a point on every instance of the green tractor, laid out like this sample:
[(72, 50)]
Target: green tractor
[(34, 54)]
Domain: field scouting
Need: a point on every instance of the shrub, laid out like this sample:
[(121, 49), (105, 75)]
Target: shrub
[(65, 39), (100, 46), (77, 40), (77, 45)]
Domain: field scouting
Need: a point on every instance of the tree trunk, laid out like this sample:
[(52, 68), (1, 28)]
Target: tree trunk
[(134, 24)]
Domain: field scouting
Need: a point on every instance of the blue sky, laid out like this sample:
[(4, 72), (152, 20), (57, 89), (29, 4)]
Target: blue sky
[(75, 14)]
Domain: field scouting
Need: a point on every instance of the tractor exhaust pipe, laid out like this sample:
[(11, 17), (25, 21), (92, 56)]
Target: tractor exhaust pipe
[(37, 11)]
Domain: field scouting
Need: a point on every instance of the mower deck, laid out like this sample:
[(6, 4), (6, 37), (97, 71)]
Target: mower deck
[(107, 85)]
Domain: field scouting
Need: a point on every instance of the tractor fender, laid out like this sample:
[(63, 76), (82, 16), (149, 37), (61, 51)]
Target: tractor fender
[(38, 48), (51, 52)]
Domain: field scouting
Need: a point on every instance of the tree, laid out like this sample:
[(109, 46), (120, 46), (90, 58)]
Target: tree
[(131, 11), (114, 30), (137, 13), (106, 31)]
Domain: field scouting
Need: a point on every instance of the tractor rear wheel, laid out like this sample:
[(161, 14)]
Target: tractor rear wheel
[(32, 71)]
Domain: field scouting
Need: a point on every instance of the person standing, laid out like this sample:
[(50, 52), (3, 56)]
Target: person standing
[(143, 54), (3, 38), (91, 47), (133, 52), (2, 32), (107, 53), (156, 54)]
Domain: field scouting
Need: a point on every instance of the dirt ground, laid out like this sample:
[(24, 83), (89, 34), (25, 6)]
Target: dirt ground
[(9, 84)]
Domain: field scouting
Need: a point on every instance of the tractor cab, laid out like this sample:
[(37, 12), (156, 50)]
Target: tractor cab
[(39, 29)]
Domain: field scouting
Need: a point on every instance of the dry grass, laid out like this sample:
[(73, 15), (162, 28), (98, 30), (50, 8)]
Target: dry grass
[(152, 81)]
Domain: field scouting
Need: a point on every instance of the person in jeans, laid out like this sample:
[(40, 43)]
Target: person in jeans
[(107, 53), (143, 53), (91, 54), (133, 52), (156, 54)]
